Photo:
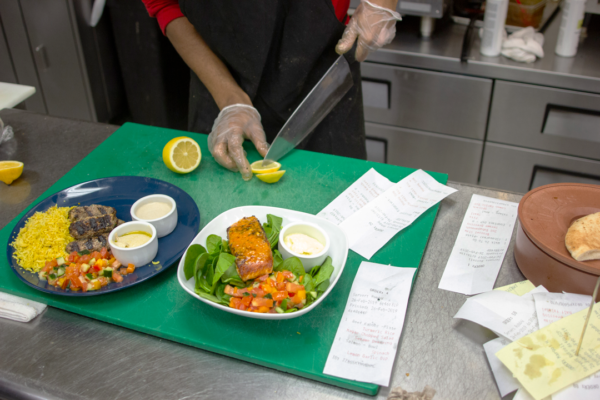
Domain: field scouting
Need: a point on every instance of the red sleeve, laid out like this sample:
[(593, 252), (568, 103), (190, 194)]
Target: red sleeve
[(341, 9), (164, 11)]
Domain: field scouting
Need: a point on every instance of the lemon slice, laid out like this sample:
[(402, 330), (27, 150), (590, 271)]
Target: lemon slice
[(257, 167), (271, 177), (182, 155), (10, 170)]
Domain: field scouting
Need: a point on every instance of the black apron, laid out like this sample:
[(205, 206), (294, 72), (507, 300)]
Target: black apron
[(277, 50)]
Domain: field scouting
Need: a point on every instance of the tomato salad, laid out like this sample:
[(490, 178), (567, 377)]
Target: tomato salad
[(275, 293), (85, 272)]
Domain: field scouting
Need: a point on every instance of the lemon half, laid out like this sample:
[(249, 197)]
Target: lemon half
[(182, 155), (271, 177), (10, 170), (257, 167)]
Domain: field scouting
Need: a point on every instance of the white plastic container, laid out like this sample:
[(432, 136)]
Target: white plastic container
[(570, 28), (493, 27)]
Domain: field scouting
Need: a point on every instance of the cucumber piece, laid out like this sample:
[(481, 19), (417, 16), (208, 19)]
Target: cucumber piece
[(85, 267), (53, 276), (93, 261), (108, 273), (60, 272), (89, 276), (60, 261), (43, 276), (279, 310)]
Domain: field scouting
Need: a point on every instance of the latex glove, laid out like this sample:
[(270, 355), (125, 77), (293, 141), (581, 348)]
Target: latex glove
[(524, 45), (374, 26), (234, 124)]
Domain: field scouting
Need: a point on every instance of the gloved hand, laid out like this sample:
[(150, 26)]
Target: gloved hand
[(234, 124), (374, 26)]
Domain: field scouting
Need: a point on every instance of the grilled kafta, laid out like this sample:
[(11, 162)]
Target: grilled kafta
[(91, 225), (90, 221), (250, 246)]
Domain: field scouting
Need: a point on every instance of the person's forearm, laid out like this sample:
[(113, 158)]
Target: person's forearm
[(209, 68)]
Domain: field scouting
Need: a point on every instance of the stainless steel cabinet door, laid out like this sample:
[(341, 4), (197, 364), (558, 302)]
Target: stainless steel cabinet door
[(457, 157), (512, 168), (60, 67), (556, 120), (425, 100)]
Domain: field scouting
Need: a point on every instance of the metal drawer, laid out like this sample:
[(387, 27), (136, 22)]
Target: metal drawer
[(542, 118), (457, 157), (520, 170), (425, 100)]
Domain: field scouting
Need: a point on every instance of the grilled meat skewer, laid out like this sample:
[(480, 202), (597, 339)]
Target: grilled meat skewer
[(95, 210)]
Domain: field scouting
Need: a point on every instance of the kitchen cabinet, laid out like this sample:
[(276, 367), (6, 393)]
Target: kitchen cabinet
[(490, 121)]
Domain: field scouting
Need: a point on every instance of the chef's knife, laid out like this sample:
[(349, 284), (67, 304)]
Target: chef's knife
[(317, 104)]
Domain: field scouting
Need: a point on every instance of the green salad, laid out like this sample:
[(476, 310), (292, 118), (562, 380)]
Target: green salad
[(288, 288)]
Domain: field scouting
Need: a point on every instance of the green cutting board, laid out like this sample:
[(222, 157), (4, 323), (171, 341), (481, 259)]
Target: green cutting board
[(160, 307)]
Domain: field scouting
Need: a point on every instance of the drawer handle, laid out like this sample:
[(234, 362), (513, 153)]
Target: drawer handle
[(572, 123), (546, 175), (41, 57)]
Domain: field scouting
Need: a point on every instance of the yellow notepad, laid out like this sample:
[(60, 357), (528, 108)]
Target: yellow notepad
[(518, 288), (545, 362)]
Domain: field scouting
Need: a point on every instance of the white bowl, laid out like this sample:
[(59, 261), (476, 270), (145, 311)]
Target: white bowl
[(165, 224), (312, 230), (138, 256), (338, 251)]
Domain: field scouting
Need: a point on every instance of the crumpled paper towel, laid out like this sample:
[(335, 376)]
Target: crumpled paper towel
[(398, 393), (5, 133), (18, 308), (523, 45)]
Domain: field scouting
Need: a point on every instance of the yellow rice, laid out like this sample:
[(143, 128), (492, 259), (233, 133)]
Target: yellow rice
[(43, 238)]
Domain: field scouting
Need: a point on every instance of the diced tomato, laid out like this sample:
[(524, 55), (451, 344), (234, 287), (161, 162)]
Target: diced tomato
[(292, 287), (85, 259), (96, 267), (64, 284), (84, 284), (104, 253), (73, 257), (96, 255), (280, 285), (288, 275), (263, 278), (51, 264), (247, 300), (117, 277), (235, 302), (229, 290), (277, 296), (103, 281), (258, 292), (262, 302), (116, 265), (279, 277)]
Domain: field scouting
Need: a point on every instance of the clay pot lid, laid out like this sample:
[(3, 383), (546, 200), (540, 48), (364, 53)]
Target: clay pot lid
[(547, 212)]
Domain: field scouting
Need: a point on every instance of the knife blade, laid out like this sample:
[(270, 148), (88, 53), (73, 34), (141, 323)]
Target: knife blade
[(316, 105)]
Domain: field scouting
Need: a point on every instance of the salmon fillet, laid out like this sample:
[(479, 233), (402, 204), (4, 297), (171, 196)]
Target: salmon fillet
[(248, 243)]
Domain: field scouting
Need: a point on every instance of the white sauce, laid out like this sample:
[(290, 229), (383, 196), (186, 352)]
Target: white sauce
[(154, 210), (303, 244)]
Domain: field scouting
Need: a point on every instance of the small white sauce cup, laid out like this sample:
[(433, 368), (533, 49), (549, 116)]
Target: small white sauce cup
[(165, 224), (312, 230), (138, 256)]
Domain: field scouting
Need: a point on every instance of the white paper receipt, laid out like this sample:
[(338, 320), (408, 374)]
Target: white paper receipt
[(480, 247), (376, 223), (366, 341), (361, 192)]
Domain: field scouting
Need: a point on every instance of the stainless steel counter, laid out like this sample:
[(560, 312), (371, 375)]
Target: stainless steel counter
[(63, 355), (442, 53)]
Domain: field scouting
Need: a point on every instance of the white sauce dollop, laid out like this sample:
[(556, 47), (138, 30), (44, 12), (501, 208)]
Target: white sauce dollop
[(303, 244), (154, 210)]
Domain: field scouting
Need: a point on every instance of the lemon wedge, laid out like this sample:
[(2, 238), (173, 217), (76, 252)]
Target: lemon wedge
[(10, 170), (182, 155), (271, 177), (257, 167)]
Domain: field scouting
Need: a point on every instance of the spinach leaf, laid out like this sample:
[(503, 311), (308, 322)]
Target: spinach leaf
[(277, 259), (232, 277), (206, 278), (294, 265), (314, 270), (324, 272), (225, 261), (207, 296), (213, 244), (322, 287), (272, 229), (190, 259), (199, 266), (222, 298), (309, 283), (225, 246)]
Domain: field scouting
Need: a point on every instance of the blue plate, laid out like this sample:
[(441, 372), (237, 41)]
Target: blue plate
[(119, 192)]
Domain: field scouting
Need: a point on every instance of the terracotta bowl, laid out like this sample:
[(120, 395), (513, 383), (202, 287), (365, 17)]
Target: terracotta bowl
[(545, 215)]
